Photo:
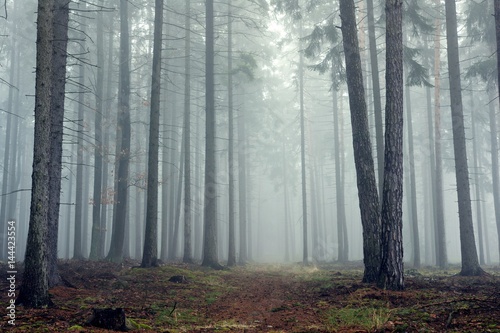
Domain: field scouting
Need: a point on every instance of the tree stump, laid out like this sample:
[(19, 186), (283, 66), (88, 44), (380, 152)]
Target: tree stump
[(111, 319)]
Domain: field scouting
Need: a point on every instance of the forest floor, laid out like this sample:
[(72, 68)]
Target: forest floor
[(262, 298)]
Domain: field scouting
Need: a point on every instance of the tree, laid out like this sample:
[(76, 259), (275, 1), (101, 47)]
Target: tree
[(231, 260), (97, 242), (365, 171), (150, 253), (377, 106), (34, 290), (440, 237), (123, 141), (391, 268), (494, 142), (470, 262), (60, 42), (210, 257), (188, 251)]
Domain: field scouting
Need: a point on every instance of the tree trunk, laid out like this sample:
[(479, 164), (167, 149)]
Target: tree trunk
[(231, 258), (34, 290), (210, 209), (123, 141), (440, 238), (305, 255), (377, 105), (470, 262), (493, 132), (412, 196), (242, 187), (343, 255), (365, 170), (188, 247), (60, 42), (96, 242), (150, 253), (475, 150), (391, 268)]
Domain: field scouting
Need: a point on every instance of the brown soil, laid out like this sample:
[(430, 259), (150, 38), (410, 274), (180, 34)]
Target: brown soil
[(261, 298)]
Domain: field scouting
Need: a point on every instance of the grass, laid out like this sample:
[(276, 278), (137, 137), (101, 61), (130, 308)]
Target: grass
[(368, 318)]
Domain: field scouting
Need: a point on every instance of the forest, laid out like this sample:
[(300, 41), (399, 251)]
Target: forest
[(250, 165)]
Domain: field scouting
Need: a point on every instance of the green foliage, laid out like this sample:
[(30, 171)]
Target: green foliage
[(417, 74), (479, 22), (483, 69), (246, 65), (289, 7), (412, 15)]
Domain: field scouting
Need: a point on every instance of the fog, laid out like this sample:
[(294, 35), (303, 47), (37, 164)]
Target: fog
[(267, 43)]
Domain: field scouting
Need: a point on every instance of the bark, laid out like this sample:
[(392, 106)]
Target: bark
[(412, 196), (305, 254), (210, 257), (231, 260), (470, 262), (188, 248), (391, 269), (440, 238), (377, 105), (96, 242), (150, 252), (365, 170), (493, 132), (242, 187), (477, 198), (343, 255), (60, 42), (34, 290), (123, 141)]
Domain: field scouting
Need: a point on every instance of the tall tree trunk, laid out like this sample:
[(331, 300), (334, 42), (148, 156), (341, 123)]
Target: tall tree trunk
[(231, 258), (412, 196), (96, 243), (305, 255), (150, 253), (123, 141), (242, 187), (493, 132), (79, 196), (477, 187), (343, 255), (377, 105), (365, 170), (34, 290), (391, 268), (470, 262), (440, 238), (61, 19), (210, 257), (188, 247)]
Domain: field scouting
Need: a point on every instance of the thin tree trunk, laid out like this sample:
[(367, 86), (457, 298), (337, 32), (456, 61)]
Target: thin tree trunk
[(242, 187), (188, 247), (377, 105), (123, 142), (440, 238), (96, 243), (470, 262), (210, 257), (231, 259), (493, 132), (412, 196), (365, 170)]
